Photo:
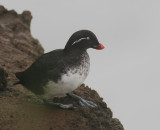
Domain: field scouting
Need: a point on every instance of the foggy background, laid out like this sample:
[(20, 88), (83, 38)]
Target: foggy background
[(127, 72)]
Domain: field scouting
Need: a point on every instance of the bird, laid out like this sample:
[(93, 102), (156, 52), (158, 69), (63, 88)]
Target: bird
[(61, 71)]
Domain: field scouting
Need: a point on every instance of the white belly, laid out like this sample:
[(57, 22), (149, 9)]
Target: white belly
[(69, 82)]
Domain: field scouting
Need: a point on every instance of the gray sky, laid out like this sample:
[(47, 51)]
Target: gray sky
[(127, 72)]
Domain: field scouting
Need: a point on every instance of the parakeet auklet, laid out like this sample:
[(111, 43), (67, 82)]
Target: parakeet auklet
[(61, 71)]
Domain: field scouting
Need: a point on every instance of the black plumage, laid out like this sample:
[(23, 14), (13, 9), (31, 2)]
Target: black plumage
[(53, 65)]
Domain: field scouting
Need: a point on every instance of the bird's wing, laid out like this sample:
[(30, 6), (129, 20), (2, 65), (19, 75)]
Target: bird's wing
[(43, 68)]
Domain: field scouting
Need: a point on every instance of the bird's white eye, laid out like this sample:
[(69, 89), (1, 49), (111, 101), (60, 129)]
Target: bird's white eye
[(88, 38)]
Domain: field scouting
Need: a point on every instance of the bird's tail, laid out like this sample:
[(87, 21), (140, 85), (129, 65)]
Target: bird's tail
[(19, 76), (19, 82)]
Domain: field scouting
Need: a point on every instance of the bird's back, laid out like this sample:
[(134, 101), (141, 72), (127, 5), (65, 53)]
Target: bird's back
[(37, 73), (50, 67)]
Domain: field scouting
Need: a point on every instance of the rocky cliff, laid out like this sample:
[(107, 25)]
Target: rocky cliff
[(22, 110)]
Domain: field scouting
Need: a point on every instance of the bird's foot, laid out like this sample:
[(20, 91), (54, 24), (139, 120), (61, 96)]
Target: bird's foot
[(66, 106), (60, 105), (82, 101)]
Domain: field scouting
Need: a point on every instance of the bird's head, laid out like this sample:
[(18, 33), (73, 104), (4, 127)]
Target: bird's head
[(83, 40)]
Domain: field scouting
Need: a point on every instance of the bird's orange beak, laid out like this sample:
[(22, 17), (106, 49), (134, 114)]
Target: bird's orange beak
[(100, 47)]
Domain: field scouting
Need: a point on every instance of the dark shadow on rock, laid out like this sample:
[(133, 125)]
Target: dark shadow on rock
[(3, 79)]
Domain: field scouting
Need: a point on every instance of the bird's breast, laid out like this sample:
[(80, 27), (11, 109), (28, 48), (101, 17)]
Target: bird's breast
[(69, 81)]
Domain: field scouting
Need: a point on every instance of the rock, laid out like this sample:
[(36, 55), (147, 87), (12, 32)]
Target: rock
[(18, 49), (21, 109)]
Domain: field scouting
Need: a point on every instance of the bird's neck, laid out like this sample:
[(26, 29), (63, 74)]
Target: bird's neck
[(75, 52), (74, 49)]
